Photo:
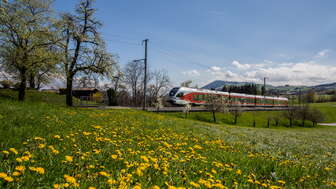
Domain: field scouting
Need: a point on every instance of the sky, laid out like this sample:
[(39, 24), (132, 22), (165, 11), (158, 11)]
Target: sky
[(288, 41)]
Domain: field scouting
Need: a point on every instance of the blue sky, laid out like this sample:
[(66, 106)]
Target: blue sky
[(289, 41)]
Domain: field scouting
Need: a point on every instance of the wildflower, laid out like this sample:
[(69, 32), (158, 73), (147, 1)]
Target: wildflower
[(39, 170), (69, 158), (239, 172), (281, 182), (8, 179), (114, 156), (155, 187), (111, 181), (19, 160), (70, 179), (194, 184), (250, 181), (57, 136), (144, 158), (327, 169), (3, 175), (86, 133), (92, 187), (39, 138), (57, 186), (5, 152), (137, 187), (264, 185), (103, 173), (41, 146), (13, 150), (16, 173)]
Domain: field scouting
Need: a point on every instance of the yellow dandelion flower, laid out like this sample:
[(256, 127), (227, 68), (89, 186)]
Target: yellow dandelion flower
[(41, 146), (111, 181), (40, 170), (264, 185), (20, 168), (3, 175), (155, 187), (57, 136), (238, 172), (137, 187), (144, 158), (281, 182), (16, 173), (194, 184), (92, 187), (69, 158), (19, 160), (8, 179), (114, 156), (57, 186), (103, 173), (5, 152), (70, 179), (327, 169), (13, 150)]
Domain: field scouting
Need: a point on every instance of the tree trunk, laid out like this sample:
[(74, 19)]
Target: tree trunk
[(214, 116), (290, 122), (268, 123), (31, 81), (23, 85), (69, 91), (235, 119)]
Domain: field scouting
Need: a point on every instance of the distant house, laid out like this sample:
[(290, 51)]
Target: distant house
[(84, 92)]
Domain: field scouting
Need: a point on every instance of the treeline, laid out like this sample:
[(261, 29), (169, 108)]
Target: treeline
[(38, 46), (246, 89)]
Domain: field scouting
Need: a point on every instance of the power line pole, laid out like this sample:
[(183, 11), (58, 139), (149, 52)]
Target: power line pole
[(145, 79), (265, 86)]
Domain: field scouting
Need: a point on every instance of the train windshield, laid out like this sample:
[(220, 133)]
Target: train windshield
[(173, 91)]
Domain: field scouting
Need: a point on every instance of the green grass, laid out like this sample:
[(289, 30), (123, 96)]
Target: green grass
[(128, 148), (260, 117)]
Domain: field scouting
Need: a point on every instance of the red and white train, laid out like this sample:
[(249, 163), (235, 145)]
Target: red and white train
[(184, 95)]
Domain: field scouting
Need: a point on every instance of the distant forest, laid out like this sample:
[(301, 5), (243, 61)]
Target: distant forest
[(246, 88)]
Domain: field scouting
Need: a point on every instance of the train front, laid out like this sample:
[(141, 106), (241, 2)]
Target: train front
[(174, 96)]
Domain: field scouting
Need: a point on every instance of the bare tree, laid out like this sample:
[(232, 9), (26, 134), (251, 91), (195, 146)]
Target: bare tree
[(315, 116), (159, 85), (216, 103), (302, 113), (236, 112), (82, 46), (290, 114), (133, 77), (186, 83)]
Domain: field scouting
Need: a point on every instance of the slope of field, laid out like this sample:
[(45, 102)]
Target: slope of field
[(47, 145)]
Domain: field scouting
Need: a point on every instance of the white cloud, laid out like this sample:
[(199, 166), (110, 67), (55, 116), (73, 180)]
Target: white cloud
[(240, 66), (322, 53), (279, 73), (191, 73), (302, 73), (215, 68)]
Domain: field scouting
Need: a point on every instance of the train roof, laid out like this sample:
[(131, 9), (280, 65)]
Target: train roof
[(233, 94)]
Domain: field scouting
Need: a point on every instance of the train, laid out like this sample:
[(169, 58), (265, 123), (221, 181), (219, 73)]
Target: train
[(183, 95)]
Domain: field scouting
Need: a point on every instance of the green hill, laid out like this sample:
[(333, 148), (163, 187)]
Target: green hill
[(49, 145)]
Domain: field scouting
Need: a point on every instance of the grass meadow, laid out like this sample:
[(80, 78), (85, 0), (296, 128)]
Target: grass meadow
[(260, 117), (44, 144)]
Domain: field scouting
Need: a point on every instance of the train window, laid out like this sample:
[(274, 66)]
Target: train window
[(179, 95), (173, 91)]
